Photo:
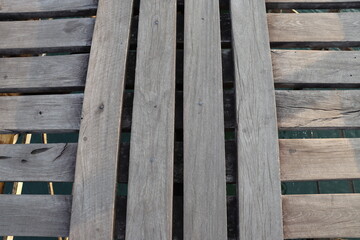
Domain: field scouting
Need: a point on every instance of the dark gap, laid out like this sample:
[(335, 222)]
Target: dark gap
[(47, 15)]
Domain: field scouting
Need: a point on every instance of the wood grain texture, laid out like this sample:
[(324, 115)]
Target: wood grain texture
[(319, 159), (257, 138), (322, 216), (34, 215), (37, 162), (64, 35), (314, 29), (94, 188), (318, 109), (316, 68), (21, 9), (150, 191), (43, 113), (204, 148), (43, 74), (312, 4)]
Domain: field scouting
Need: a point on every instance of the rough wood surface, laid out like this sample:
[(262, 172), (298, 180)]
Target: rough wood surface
[(297, 68), (34, 215), (43, 113), (66, 35), (94, 188), (314, 29), (204, 148), (43, 74), (318, 109), (322, 216), (311, 4), (150, 194), (259, 193), (37, 162)]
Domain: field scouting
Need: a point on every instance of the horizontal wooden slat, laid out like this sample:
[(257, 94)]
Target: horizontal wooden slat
[(35, 215), (19, 9), (37, 162), (46, 36), (43, 113), (311, 4), (316, 68), (314, 29), (321, 216), (319, 159), (43, 74), (300, 110)]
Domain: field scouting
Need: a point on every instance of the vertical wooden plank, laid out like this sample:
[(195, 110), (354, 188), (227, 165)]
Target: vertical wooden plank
[(94, 188), (150, 191), (204, 144), (259, 188)]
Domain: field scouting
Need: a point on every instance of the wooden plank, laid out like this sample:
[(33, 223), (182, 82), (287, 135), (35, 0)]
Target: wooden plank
[(258, 156), (318, 109), (22, 9), (316, 68), (150, 189), (35, 215), (43, 113), (66, 35), (314, 29), (94, 188), (322, 216), (43, 74), (312, 4), (319, 159), (204, 148), (37, 162)]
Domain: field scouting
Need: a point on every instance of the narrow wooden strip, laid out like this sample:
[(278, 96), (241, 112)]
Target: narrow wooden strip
[(20, 9), (43, 74), (322, 216), (318, 109), (150, 194), (204, 148), (316, 68), (314, 29), (257, 139), (312, 4), (94, 188), (43, 113), (35, 215), (46, 36), (37, 162)]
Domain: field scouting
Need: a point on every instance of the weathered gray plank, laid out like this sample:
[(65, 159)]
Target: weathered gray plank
[(35, 215), (43, 113), (322, 216), (314, 29), (46, 36), (204, 148), (312, 4), (257, 139), (150, 194), (316, 68), (318, 109), (20, 9), (37, 162), (43, 74), (94, 188)]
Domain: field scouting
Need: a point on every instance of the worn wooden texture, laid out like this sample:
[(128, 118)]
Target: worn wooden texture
[(34, 215), (37, 162), (314, 29), (318, 109), (22, 9), (312, 4), (204, 148), (65, 35), (43, 113), (43, 74), (257, 139), (297, 68), (322, 216), (150, 194), (94, 188)]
